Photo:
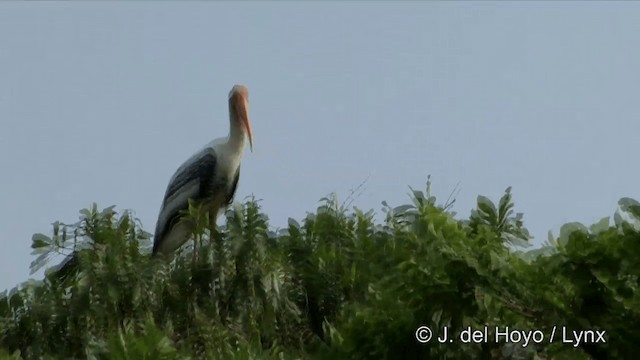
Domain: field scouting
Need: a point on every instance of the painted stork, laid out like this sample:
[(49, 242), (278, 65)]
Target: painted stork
[(209, 177)]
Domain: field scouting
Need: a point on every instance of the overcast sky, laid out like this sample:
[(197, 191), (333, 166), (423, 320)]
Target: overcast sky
[(101, 102)]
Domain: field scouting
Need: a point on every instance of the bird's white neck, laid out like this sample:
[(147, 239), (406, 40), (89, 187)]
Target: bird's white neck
[(237, 137)]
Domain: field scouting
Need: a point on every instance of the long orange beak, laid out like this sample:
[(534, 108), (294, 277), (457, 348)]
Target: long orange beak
[(240, 99)]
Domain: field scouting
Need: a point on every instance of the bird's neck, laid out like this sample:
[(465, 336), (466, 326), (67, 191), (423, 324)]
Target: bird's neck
[(237, 138)]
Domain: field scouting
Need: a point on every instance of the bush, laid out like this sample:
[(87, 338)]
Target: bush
[(338, 285)]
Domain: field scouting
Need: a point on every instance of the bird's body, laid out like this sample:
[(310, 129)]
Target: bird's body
[(209, 177)]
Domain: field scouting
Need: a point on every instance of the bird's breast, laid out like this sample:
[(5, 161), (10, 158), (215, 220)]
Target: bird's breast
[(226, 173), (228, 163)]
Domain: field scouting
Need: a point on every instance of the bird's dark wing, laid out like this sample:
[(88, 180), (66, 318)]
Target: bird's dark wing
[(201, 169), (193, 181), (234, 186)]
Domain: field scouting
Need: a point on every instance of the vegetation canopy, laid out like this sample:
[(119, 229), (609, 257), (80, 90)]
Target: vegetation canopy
[(337, 285)]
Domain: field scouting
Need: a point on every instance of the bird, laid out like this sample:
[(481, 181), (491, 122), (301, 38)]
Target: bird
[(209, 177)]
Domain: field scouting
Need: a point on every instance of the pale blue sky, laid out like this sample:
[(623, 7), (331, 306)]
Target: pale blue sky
[(101, 102)]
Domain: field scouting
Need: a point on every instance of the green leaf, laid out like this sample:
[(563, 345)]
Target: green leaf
[(617, 219), (488, 209), (630, 206), (505, 204), (293, 223), (600, 226), (38, 263), (40, 241), (567, 229), (402, 208)]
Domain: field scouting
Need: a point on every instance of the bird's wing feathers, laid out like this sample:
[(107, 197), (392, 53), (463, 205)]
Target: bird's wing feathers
[(200, 167), (191, 180), (234, 186)]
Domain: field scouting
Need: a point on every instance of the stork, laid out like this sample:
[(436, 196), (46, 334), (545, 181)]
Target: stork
[(209, 177)]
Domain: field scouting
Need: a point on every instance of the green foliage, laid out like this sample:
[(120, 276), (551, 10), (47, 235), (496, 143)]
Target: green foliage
[(337, 285)]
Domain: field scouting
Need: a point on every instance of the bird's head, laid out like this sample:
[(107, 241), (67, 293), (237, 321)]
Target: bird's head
[(239, 106)]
